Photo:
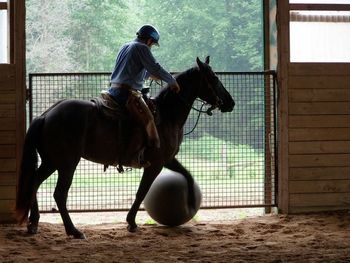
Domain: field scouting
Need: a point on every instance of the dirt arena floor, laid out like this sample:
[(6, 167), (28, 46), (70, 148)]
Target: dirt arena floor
[(321, 237)]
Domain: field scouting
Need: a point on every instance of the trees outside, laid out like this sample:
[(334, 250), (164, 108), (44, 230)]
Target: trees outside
[(47, 39), (85, 35)]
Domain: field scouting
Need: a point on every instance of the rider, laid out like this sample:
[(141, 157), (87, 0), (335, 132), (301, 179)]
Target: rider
[(134, 64)]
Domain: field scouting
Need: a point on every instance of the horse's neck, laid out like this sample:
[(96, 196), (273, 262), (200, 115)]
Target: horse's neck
[(175, 108)]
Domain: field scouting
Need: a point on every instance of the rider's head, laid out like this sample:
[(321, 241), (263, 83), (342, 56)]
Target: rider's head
[(149, 34)]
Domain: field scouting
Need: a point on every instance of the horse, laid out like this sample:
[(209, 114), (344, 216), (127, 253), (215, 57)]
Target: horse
[(73, 129)]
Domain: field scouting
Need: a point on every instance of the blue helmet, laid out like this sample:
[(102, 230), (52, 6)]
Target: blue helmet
[(148, 31)]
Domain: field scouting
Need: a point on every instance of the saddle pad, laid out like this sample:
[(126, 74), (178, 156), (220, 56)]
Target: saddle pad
[(109, 107)]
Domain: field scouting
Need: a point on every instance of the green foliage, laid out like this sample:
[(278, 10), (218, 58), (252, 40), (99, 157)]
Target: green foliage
[(208, 156), (85, 35), (97, 30), (47, 44)]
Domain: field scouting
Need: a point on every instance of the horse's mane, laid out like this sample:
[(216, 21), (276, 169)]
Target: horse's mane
[(180, 78), (167, 100)]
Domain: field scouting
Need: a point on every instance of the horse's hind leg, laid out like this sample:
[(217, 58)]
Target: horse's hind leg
[(176, 166), (65, 177), (44, 171)]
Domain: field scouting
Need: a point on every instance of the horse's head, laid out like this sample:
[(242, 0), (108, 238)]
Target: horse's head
[(212, 90)]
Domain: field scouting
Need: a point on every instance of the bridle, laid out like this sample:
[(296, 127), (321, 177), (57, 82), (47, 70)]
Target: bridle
[(212, 107), (200, 110), (203, 103)]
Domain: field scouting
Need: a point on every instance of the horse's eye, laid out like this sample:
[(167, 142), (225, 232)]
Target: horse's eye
[(215, 79)]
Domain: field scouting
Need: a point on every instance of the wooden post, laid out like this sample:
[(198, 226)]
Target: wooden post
[(12, 110), (282, 110)]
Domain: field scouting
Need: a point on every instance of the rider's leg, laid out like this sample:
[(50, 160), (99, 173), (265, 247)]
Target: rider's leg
[(142, 114)]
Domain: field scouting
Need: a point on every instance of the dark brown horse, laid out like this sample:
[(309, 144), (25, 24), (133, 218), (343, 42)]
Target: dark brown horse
[(72, 129)]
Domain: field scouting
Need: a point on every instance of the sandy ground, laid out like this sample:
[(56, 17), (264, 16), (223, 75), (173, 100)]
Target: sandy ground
[(321, 237)]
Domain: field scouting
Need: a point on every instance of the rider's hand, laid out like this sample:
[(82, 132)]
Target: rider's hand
[(152, 77), (175, 87)]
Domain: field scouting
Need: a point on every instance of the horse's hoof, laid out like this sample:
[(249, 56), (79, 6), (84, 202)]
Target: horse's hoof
[(32, 228), (132, 228), (77, 234), (80, 236)]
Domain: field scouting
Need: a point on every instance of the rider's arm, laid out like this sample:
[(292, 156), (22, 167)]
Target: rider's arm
[(150, 76), (153, 67)]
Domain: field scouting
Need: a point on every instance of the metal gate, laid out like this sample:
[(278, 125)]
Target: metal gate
[(232, 156)]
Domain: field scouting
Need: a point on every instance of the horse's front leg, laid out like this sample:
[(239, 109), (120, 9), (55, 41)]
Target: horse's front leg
[(147, 179), (176, 166), (64, 181)]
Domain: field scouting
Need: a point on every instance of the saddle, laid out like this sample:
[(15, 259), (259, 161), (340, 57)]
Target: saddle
[(129, 131), (108, 107)]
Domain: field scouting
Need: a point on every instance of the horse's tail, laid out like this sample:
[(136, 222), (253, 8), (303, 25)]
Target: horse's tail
[(26, 187)]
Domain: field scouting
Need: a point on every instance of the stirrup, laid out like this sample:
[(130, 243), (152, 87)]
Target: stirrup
[(120, 169)]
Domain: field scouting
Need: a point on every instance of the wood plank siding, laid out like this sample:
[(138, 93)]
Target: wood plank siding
[(319, 136), (8, 142), (12, 110)]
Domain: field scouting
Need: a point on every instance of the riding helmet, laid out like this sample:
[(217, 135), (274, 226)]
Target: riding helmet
[(149, 31)]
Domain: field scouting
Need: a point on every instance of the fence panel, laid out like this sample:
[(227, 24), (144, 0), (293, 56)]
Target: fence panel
[(231, 155)]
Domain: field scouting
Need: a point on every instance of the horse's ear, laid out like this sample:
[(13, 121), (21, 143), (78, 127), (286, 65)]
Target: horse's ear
[(199, 63), (207, 60)]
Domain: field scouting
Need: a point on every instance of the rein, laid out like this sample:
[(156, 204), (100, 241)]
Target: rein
[(200, 110)]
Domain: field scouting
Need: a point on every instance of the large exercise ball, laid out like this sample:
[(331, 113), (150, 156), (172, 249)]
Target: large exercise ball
[(166, 201)]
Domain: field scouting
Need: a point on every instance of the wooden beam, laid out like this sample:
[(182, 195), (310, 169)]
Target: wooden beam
[(319, 69), (319, 160), (319, 121), (7, 192), (319, 82), (6, 205), (3, 6), (282, 110), (7, 137), (11, 28), (318, 147), (7, 178), (321, 200), (319, 95), (319, 173), (319, 134), (322, 186), (7, 111), (7, 151), (320, 7), (319, 108), (8, 165), (266, 17)]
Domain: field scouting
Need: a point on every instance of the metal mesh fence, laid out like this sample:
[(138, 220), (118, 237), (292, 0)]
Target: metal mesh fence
[(231, 155)]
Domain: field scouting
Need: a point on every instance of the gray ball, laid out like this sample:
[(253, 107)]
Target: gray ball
[(166, 200)]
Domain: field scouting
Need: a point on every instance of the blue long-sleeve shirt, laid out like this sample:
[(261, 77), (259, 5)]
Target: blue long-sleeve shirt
[(134, 63)]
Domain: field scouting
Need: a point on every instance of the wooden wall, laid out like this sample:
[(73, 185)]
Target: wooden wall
[(313, 126), (7, 141), (12, 111), (319, 136)]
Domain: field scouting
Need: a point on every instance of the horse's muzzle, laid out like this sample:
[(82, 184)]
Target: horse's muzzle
[(227, 107)]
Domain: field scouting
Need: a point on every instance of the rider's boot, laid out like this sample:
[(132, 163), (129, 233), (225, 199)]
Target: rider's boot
[(142, 114)]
